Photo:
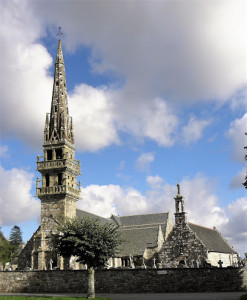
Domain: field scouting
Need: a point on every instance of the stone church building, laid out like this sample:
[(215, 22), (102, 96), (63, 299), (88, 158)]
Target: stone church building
[(149, 239)]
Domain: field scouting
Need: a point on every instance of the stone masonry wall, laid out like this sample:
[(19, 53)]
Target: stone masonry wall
[(126, 281), (24, 259), (182, 245)]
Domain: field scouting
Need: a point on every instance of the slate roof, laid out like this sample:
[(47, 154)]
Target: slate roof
[(82, 214), (143, 221), (212, 239), (158, 218), (140, 232), (136, 240), (137, 231)]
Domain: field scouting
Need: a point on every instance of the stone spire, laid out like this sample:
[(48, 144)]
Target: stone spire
[(58, 125)]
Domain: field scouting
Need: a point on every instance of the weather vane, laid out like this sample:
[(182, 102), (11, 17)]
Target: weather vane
[(59, 32)]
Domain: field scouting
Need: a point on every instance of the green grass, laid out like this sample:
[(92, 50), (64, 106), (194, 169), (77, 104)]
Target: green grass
[(243, 297), (45, 298)]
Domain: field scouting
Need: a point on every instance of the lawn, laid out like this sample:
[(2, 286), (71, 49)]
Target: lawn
[(243, 297), (45, 298)]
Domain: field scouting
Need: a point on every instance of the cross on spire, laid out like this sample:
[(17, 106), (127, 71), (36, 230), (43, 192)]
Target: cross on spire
[(59, 32)]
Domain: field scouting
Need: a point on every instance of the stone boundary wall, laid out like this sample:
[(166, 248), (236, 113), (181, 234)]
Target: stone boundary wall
[(126, 281)]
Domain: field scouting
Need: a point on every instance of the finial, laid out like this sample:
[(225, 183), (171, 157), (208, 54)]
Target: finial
[(179, 200), (59, 32)]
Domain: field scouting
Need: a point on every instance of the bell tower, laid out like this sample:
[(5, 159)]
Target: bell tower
[(58, 189)]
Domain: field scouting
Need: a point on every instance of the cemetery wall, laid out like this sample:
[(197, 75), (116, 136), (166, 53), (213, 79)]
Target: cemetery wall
[(126, 281)]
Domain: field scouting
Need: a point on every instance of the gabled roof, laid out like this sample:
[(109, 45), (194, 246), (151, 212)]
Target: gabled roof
[(136, 240), (158, 218), (212, 239), (82, 214), (137, 231), (116, 219), (140, 232)]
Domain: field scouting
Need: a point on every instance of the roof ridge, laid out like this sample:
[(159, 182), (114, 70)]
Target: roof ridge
[(140, 228), (202, 226), (145, 214), (93, 214), (148, 224)]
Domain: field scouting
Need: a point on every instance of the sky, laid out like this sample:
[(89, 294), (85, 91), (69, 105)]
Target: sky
[(157, 93)]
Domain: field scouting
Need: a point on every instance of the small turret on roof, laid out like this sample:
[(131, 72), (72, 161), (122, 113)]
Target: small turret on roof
[(179, 201)]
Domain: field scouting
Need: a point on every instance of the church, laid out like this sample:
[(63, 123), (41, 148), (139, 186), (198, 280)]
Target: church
[(150, 240)]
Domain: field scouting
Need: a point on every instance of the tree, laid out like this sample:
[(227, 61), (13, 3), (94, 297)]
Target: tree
[(91, 242), (15, 240), (1, 234), (10, 249), (6, 250), (16, 236)]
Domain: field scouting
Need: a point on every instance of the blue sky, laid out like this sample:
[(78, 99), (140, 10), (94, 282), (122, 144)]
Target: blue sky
[(157, 92)]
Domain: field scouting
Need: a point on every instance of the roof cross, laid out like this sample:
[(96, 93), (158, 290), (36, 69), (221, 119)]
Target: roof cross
[(59, 32)]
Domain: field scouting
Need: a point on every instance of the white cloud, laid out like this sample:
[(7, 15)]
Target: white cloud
[(194, 129), (239, 100), (185, 50), (25, 82), (154, 182), (235, 230), (237, 181), (143, 161), (201, 203), (4, 151), (98, 112), (112, 199), (16, 201), (155, 120), (132, 203), (93, 117), (165, 57), (236, 133), (238, 211)]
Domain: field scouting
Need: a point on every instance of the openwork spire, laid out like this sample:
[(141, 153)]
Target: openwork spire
[(58, 126)]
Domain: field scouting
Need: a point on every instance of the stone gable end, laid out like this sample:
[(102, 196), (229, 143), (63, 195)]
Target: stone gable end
[(182, 246)]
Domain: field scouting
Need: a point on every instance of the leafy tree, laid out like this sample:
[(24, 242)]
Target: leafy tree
[(16, 236), (91, 242), (7, 250), (2, 249)]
